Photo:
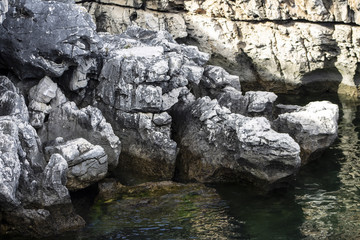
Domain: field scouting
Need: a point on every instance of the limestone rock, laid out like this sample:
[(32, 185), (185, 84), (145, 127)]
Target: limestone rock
[(69, 122), (217, 145), (144, 76), (314, 127), (11, 101), (3, 9), (65, 35), (85, 163)]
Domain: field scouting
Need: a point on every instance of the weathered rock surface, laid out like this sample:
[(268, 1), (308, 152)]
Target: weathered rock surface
[(272, 45), (3, 9), (12, 103), (32, 192), (145, 74), (217, 145), (66, 41), (314, 127), (87, 164), (69, 122)]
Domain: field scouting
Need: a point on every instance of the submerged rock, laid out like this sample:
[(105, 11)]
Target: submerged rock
[(86, 163), (219, 146), (314, 127)]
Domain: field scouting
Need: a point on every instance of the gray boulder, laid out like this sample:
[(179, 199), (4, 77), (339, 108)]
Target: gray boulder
[(3, 9), (314, 127), (66, 40), (85, 163), (219, 146), (69, 122), (12, 103)]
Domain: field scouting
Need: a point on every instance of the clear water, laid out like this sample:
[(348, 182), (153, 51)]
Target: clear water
[(323, 203)]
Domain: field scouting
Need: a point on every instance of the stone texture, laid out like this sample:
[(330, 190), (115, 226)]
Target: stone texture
[(272, 45), (69, 122), (86, 164), (4, 5), (32, 192), (66, 40), (11, 101), (217, 145), (314, 127), (145, 74)]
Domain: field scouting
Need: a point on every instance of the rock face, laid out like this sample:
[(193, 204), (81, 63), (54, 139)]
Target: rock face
[(175, 116), (280, 46), (86, 163), (3, 9), (145, 74), (69, 122), (58, 49), (314, 127), (217, 145)]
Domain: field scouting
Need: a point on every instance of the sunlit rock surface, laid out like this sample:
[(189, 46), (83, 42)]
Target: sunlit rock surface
[(278, 46)]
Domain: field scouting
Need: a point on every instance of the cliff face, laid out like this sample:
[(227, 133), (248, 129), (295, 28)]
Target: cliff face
[(282, 46)]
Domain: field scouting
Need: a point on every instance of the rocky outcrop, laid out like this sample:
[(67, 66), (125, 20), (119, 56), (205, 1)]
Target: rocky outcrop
[(58, 49), (278, 46), (86, 164), (314, 127), (140, 81), (175, 116), (32, 190), (217, 145)]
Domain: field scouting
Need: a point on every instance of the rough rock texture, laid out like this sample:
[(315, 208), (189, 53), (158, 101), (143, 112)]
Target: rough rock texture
[(59, 48), (33, 192), (314, 127), (3, 9), (283, 46), (11, 102), (217, 145), (69, 122), (145, 74), (87, 164)]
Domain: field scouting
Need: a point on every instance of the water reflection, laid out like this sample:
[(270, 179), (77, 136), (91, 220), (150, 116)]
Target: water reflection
[(194, 212), (334, 213)]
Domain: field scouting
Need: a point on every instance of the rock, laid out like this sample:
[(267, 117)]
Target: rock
[(314, 127), (11, 101), (66, 39), (9, 163), (272, 46), (87, 164), (3, 9), (145, 74), (260, 103), (69, 122), (44, 91), (219, 146), (33, 198)]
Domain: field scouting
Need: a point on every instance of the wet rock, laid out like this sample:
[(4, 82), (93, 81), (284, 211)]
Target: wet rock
[(314, 127), (12, 103), (66, 39), (87, 164), (219, 146), (69, 122)]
